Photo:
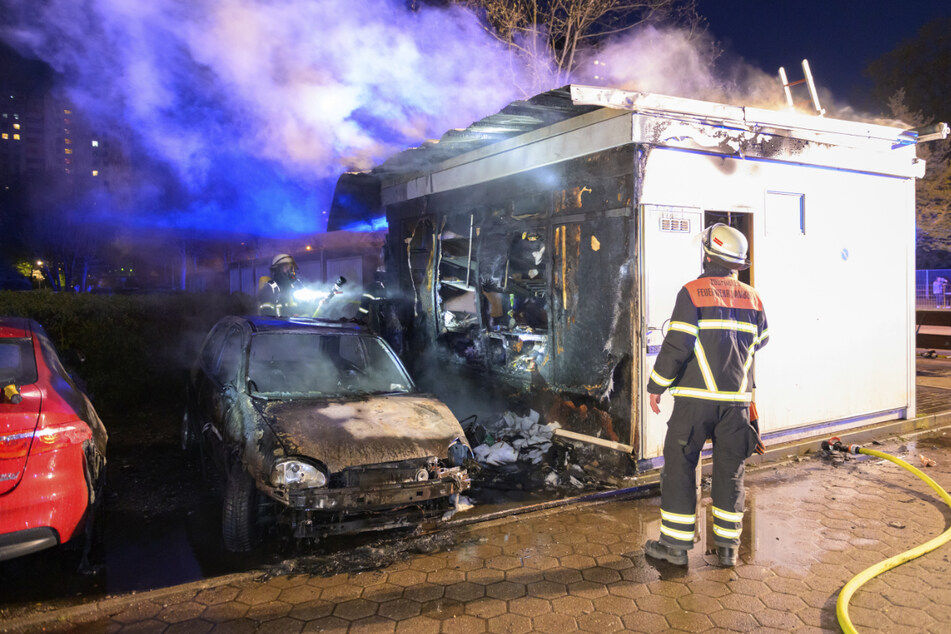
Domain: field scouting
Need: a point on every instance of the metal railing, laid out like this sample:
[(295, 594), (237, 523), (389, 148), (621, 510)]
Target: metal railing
[(928, 294)]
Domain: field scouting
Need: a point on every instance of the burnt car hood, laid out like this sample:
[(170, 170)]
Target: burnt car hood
[(358, 433)]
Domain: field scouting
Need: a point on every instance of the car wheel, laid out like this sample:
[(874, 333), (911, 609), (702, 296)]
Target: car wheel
[(239, 518), (189, 439)]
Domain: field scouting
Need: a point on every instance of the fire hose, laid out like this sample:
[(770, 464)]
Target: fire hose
[(842, 604)]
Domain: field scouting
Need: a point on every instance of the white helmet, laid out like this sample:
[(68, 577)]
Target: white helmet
[(726, 246), (282, 258)]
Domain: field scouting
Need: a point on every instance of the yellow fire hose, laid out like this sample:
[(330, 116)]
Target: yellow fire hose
[(842, 605)]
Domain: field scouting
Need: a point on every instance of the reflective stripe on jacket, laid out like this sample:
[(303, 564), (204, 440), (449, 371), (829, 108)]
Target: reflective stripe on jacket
[(717, 326)]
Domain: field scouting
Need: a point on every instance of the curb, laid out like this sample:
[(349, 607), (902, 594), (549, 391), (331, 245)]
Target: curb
[(111, 605)]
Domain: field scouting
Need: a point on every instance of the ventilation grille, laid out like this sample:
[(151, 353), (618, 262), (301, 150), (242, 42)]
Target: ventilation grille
[(675, 225)]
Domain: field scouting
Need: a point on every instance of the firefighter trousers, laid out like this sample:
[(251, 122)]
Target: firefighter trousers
[(691, 423)]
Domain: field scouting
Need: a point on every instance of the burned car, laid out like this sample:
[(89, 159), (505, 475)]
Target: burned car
[(317, 429)]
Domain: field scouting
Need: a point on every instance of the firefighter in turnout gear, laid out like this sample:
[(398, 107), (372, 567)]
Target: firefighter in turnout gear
[(276, 294), (706, 361)]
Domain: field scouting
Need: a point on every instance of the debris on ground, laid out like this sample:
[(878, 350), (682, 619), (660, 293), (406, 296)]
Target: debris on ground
[(460, 503), (926, 462), (529, 439), (497, 454), (524, 453), (367, 556)]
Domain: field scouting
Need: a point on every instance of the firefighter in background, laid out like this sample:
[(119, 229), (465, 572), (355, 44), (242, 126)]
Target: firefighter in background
[(938, 288), (371, 303), (706, 361), (379, 312), (276, 293)]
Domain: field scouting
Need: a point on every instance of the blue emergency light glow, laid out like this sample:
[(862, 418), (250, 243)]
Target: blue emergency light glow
[(376, 224), (239, 196)]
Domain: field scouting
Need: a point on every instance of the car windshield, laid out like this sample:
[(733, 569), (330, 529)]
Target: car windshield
[(17, 364), (323, 365)]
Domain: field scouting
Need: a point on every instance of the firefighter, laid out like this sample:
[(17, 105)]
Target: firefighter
[(706, 362), (371, 304), (276, 294), (379, 311)]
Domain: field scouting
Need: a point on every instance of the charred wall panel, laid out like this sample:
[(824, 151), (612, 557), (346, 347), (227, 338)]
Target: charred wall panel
[(410, 256), (530, 283), (592, 310)]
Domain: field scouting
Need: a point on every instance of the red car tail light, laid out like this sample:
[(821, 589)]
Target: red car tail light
[(14, 446), (17, 427), (61, 435)]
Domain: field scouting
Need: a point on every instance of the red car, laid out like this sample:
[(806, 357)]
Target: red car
[(52, 446)]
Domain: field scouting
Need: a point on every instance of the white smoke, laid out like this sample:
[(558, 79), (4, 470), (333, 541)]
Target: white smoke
[(250, 103), (679, 63), (317, 86)]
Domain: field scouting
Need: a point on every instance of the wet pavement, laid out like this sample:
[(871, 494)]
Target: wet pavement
[(810, 526), (812, 523)]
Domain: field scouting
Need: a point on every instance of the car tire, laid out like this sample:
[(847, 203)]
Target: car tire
[(189, 439), (239, 517)]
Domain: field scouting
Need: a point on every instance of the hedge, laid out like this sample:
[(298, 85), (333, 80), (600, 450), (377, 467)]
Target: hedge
[(137, 348)]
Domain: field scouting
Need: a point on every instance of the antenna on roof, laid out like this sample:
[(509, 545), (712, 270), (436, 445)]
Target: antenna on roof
[(807, 80)]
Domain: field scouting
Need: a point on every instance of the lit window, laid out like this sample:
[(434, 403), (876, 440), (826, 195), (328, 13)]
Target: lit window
[(4, 115), (16, 137), (68, 162), (95, 172), (6, 136), (68, 140), (95, 143), (67, 112), (68, 151), (16, 126)]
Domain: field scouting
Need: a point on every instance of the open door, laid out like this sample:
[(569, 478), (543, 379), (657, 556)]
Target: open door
[(671, 258), (738, 220)]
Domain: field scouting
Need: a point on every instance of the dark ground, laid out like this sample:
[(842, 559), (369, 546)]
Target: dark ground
[(151, 494)]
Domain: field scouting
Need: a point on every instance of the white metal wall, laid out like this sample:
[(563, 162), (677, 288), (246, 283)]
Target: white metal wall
[(837, 294), (670, 258)]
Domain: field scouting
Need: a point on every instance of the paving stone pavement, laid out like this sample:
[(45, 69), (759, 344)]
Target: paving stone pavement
[(811, 524)]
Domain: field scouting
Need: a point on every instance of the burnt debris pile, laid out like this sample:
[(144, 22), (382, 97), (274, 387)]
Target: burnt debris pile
[(524, 455)]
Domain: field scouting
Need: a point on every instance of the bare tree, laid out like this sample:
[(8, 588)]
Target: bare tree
[(59, 234), (549, 35), (933, 192), (905, 83)]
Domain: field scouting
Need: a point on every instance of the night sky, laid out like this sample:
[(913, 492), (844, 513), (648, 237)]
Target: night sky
[(838, 37)]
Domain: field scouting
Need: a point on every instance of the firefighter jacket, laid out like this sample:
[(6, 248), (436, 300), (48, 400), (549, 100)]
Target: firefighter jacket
[(276, 301), (717, 326)]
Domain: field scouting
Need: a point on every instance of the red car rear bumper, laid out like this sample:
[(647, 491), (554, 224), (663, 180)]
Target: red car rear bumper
[(48, 506)]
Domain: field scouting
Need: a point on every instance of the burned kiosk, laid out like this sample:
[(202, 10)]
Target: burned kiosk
[(543, 248)]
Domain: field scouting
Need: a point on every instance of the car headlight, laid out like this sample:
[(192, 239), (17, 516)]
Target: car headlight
[(296, 474), (459, 452)]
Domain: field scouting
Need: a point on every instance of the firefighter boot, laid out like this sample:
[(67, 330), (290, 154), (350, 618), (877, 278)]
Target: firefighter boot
[(727, 555), (660, 550)]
